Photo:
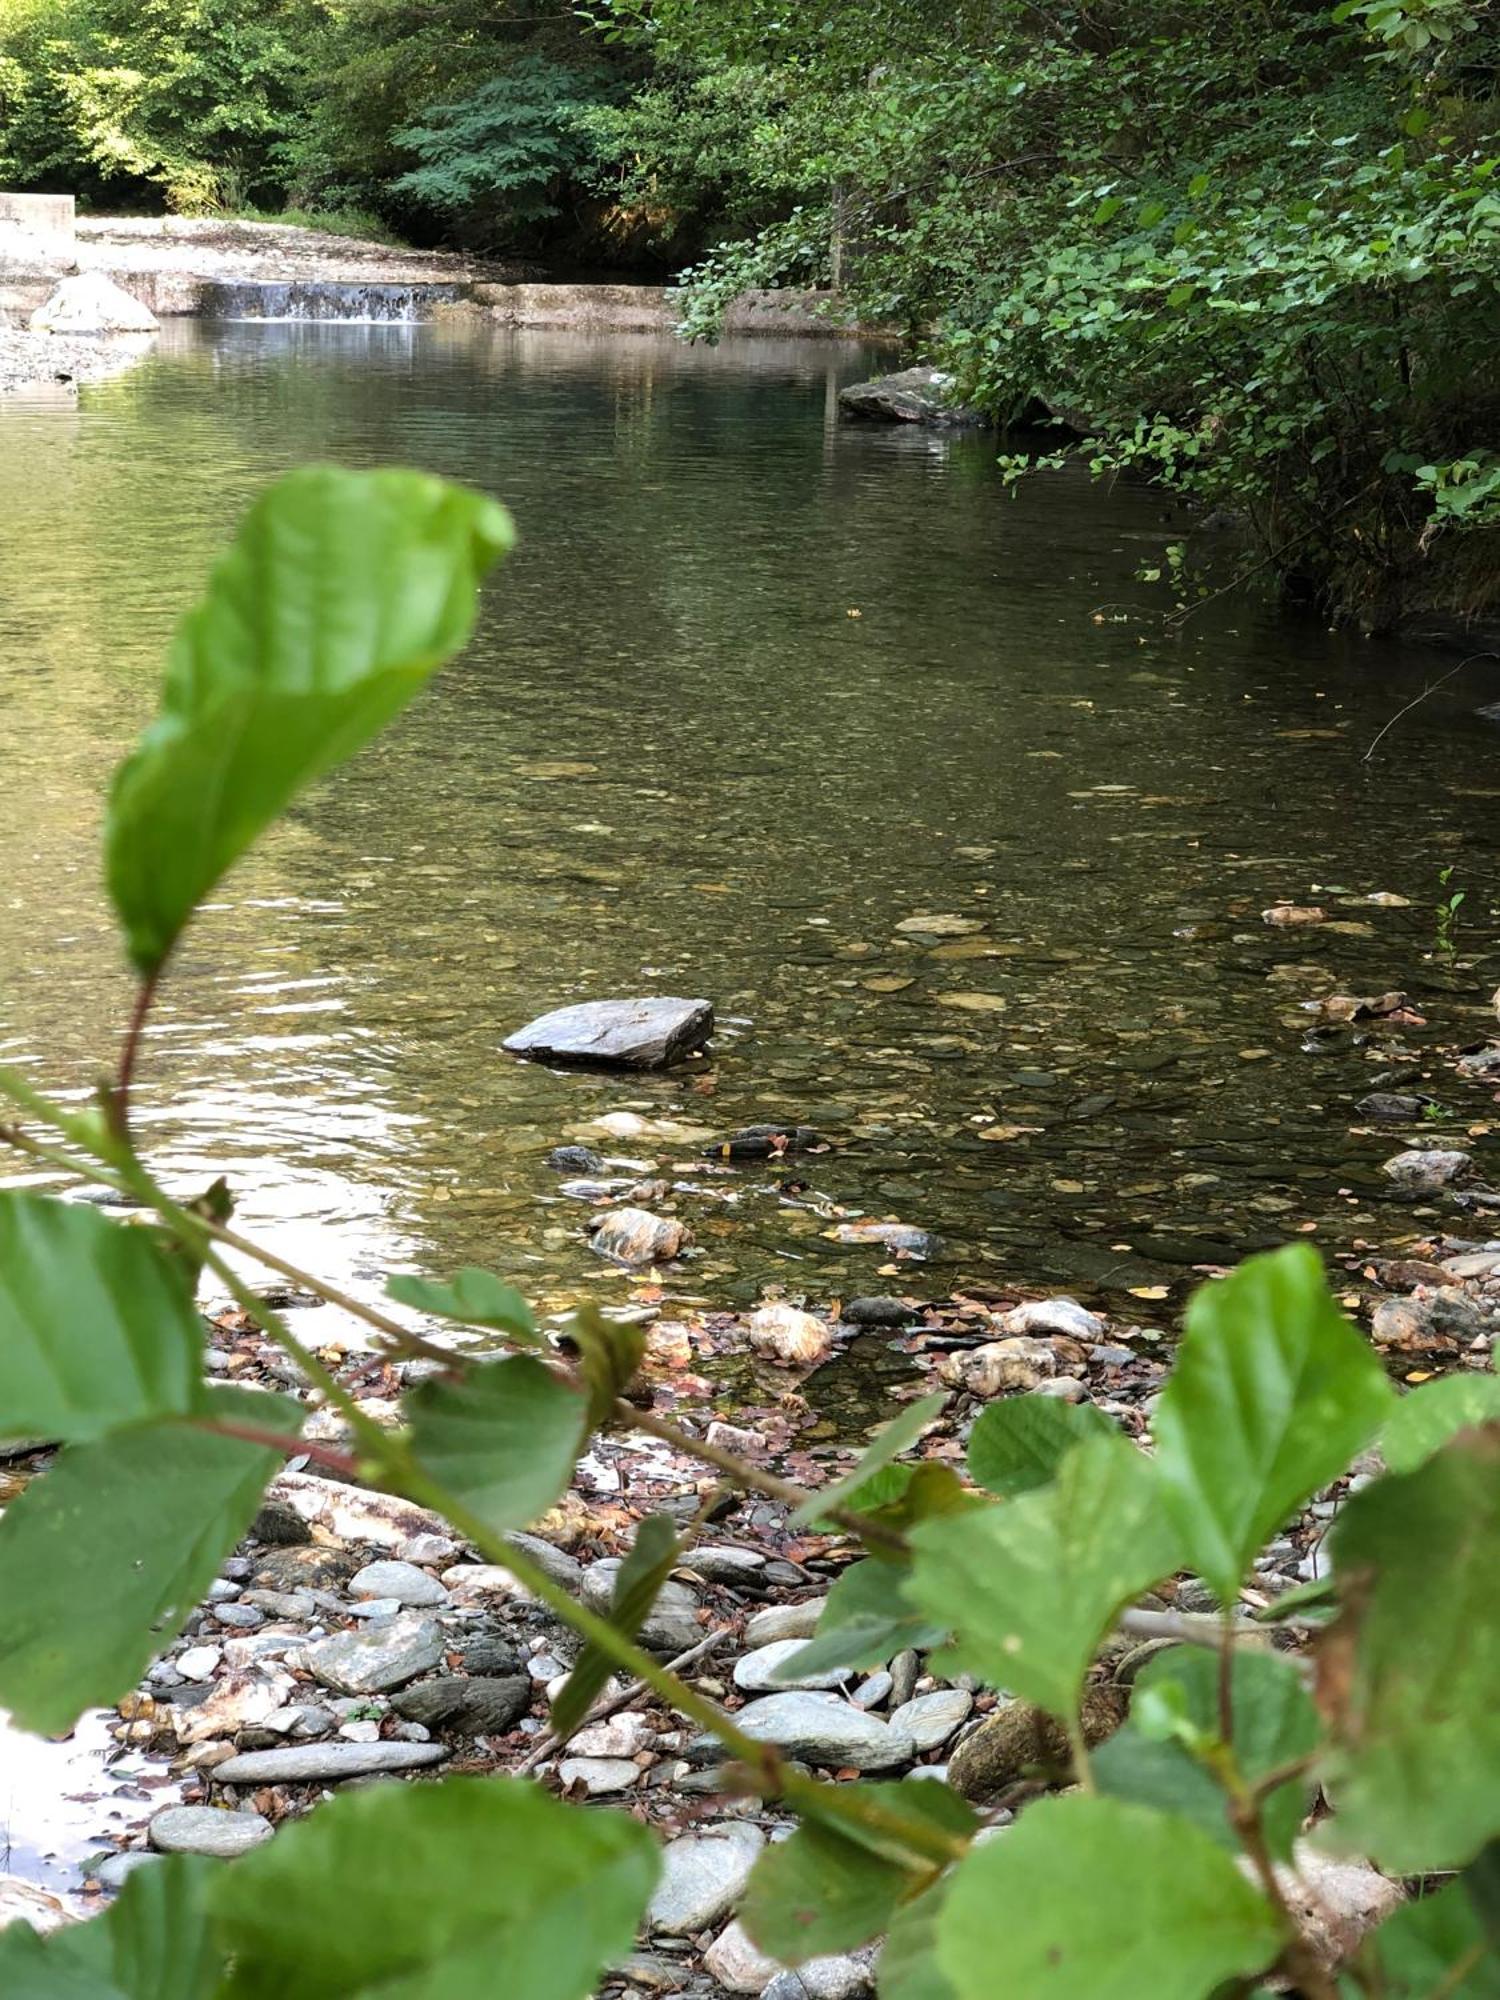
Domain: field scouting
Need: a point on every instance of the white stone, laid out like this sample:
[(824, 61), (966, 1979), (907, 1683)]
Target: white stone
[(824, 1730), (930, 1719), (242, 1699), (619, 1736), (790, 1338), (703, 1875), (198, 1662), (206, 1830), (430, 1550), (765, 1670), (784, 1621), (92, 303), (1043, 1316), (386, 1656), (737, 1965), (599, 1775), (400, 1580)]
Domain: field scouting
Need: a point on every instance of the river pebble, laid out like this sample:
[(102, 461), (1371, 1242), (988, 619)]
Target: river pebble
[(771, 1668), (599, 1776), (478, 1705), (671, 1624), (822, 1979), (402, 1581), (206, 1830), (737, 1964), (930, 1719), (825, 1730), (784, 1621), (373, 1662), (703, 1875), (327, 1762)]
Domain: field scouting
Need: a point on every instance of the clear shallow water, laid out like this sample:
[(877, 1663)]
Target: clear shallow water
[(674, 761)]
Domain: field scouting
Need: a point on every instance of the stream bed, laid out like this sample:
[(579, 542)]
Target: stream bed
[(759, 689), (815, 720)]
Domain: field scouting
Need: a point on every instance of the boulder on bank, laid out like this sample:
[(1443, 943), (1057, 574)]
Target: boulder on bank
[(92, 303), (619, 1034), (912, 396)]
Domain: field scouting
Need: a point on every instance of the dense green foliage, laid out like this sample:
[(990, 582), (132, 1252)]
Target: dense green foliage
[(1249, 250), (1154, 1873)]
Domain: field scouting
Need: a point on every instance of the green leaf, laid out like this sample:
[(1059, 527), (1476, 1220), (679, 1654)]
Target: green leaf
[(1272, 1394), (1019, 1443), (908, 1967), (446, 1891), (1409, 1672), (889, 1442), (1424, 1420), (97, 1326), (477, 1297), (504, 1440), (865, 1622), (152, 1943), (822, 1891), (336, 601), (103, 1559), (653, 1556), (1031, 1587), (1088, 1899), (1274, 1723), (609, 1353), (1420, 1946)]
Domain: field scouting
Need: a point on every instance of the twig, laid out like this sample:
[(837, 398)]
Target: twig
[(119, 1096), (609, 1705), (1416, 702), (286, 1442)]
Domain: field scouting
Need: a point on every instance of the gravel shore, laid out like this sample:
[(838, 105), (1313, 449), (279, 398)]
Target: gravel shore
[(30, 359)]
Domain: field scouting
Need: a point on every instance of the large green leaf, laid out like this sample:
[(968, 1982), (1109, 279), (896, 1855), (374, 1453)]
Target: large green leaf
[(1408, 1675), (152, 1943), (1423, 1945), (1272, 1394), (1031, 1586), (476, 1297), (504, 1440), (97, 1326), (865, 1622), (103, 1558), (1018, 1444), (340, 595), (450, 1891), (823, 1891), (1274, 1724), (892, 1439), (1424, 1420), (908, 1968), (1088, 1899), (653, 1555)]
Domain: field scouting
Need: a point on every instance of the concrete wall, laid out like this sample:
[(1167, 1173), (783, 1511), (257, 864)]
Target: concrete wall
[(37, 222), (650, 309)]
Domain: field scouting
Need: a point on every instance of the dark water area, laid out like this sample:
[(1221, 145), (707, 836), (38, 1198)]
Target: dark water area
[(757, 689)]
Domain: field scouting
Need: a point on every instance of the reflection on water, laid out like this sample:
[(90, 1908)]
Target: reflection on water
[(756, 689)]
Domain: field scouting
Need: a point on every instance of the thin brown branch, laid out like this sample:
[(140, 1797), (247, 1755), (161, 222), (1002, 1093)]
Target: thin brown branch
[(289, 1445)]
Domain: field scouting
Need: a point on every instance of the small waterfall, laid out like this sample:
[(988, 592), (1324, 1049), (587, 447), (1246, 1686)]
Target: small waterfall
[(317, 299)]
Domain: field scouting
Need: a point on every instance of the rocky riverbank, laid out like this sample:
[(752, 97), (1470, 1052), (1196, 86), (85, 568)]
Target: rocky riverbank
[(29, 360), (353, 1635)]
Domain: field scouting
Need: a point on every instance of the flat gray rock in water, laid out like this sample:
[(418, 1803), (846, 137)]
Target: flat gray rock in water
[(308, 1763), (206, 1830), (702, 1876), (387, 1656), (621, 1034), (825, 1730)]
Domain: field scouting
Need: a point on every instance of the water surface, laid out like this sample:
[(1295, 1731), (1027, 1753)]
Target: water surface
[(757, 688)]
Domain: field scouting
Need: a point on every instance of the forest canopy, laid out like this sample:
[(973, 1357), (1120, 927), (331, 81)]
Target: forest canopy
[(1251, 250)]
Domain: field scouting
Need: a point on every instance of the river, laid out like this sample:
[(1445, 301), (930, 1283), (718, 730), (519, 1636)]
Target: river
[(757, 688)]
